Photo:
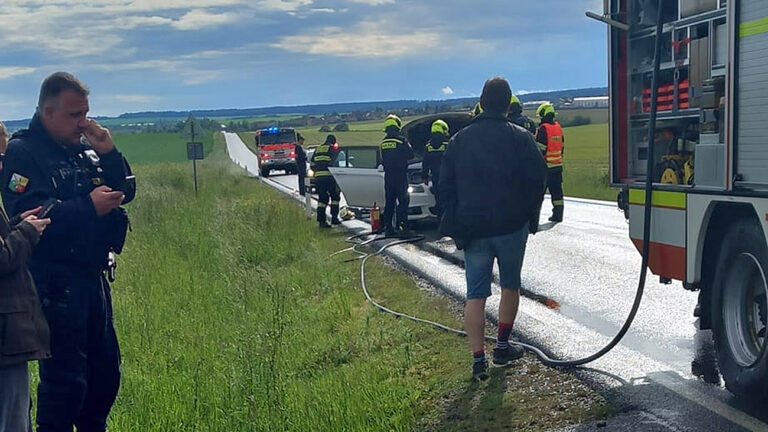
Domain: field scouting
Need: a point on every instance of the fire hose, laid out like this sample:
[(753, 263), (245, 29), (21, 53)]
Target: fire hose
[(645, 252)]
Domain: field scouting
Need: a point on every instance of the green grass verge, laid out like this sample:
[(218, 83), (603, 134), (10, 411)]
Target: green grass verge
[(232, 317), (157, 148)]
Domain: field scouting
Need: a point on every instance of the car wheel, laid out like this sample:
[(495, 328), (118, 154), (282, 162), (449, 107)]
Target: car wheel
[(740, 294), (265, 172)]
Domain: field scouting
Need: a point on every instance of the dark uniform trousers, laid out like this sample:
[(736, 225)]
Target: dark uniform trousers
[(555, 187), (80, 382), (302, 177), (397, 199), (327, 189)]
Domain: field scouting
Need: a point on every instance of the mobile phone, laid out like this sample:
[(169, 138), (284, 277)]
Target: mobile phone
[(47, 207)]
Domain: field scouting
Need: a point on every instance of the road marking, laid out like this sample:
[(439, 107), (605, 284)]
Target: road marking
[(722, 409)]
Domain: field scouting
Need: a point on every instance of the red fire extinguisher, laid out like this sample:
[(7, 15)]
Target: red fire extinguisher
[(375, 218)]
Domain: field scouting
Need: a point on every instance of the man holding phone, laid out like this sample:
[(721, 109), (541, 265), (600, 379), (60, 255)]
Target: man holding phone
[(69, 164)]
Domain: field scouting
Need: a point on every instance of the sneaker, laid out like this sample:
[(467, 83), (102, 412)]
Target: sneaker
[(480, 370), (504, 357)]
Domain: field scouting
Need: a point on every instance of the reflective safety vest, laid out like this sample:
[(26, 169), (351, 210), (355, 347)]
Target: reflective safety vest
[(321, 160), (554, 154), (440, 149)]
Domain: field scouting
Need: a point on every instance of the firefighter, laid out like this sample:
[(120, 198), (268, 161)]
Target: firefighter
[(551, 140), (477, 110), (395, 154), (326, 184), (516, 116), (433, 157)]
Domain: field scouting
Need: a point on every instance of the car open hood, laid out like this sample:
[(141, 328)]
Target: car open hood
[(418, 132)]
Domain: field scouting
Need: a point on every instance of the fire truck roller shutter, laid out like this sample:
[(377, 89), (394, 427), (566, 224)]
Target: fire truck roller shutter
[(752, 96)]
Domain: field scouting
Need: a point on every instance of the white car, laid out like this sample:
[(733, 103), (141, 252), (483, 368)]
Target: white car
[(360, 175)]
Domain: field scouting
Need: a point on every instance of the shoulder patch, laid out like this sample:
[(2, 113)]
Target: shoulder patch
[(18, 183)]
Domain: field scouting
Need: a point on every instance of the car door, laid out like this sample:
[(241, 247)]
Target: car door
[(357, 173)]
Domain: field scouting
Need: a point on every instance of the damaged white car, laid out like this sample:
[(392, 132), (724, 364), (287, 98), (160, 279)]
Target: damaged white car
[(360, 175)]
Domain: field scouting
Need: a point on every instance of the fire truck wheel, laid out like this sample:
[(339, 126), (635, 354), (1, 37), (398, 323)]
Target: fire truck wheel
[(740, 293)]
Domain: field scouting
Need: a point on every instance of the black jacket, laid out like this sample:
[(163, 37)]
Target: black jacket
[(433, 158), (492, 179), (301, 156), (395, 153), (523, 121), (24, 334), (36, 169)]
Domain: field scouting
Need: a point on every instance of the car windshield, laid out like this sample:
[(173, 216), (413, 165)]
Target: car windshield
[(281, 137)]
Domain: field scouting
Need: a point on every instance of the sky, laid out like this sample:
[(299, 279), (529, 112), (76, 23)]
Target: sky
[(149, 55)]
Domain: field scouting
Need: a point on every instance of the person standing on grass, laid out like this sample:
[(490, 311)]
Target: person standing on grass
[(301, 162), (25, 335), (55, 161), (490, 212)]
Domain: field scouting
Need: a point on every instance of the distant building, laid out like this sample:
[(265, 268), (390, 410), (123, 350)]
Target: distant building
[(534, 105), (589, 102)]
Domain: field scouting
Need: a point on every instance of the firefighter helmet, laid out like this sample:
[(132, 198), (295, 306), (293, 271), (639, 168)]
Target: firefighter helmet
[(393, 121), (546, 109), (440, 127)]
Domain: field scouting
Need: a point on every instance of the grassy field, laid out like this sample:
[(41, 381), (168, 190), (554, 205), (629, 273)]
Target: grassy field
[(232, 317), (156, 148)]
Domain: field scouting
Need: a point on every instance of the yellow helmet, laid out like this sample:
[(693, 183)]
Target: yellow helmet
[(546, 109), (440, 127), (393, 121), (477, 110), (514, 100)]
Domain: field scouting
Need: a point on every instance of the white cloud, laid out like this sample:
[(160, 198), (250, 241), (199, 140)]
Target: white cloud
[(447, 90), (374, 2), (376, 40), (135, 98), (282, 5), (322, 10), (7, 72), (198, 19)]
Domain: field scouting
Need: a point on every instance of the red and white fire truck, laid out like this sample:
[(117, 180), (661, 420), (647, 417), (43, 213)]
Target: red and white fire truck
[(710, 195), (277, 150)]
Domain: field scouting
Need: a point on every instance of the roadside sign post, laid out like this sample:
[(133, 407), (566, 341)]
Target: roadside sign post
[(195, 153)]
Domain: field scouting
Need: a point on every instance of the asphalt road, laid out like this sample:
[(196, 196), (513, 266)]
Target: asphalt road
[(588, 270)]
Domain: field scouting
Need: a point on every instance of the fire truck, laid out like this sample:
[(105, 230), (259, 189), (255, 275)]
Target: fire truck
[(709, 215), (277, 150)]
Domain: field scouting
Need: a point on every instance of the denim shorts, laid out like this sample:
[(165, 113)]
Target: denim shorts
[(480, 254)]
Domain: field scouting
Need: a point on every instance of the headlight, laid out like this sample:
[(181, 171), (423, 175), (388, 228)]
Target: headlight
[(310, 173), (415, 189)]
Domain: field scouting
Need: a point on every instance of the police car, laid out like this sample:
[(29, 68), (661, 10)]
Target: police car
[(360, 175)]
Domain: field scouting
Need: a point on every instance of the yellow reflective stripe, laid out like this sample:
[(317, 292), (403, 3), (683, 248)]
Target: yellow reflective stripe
[(334, 203), (322, 158), (554, 165), (675, 200), (558, 203), (753, 28), (321, 205), (439, 149), (323, 174), (388, 145)]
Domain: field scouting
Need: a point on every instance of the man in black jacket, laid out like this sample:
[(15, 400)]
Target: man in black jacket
[(395, 154), (24, 336), (492, 183), (68, 159), (301, 162), (517, 117)]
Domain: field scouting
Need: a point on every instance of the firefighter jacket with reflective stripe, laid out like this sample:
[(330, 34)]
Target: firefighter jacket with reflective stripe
[(395, 153), (321, 160), (524, 122), (433, 157), (551, 140)]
